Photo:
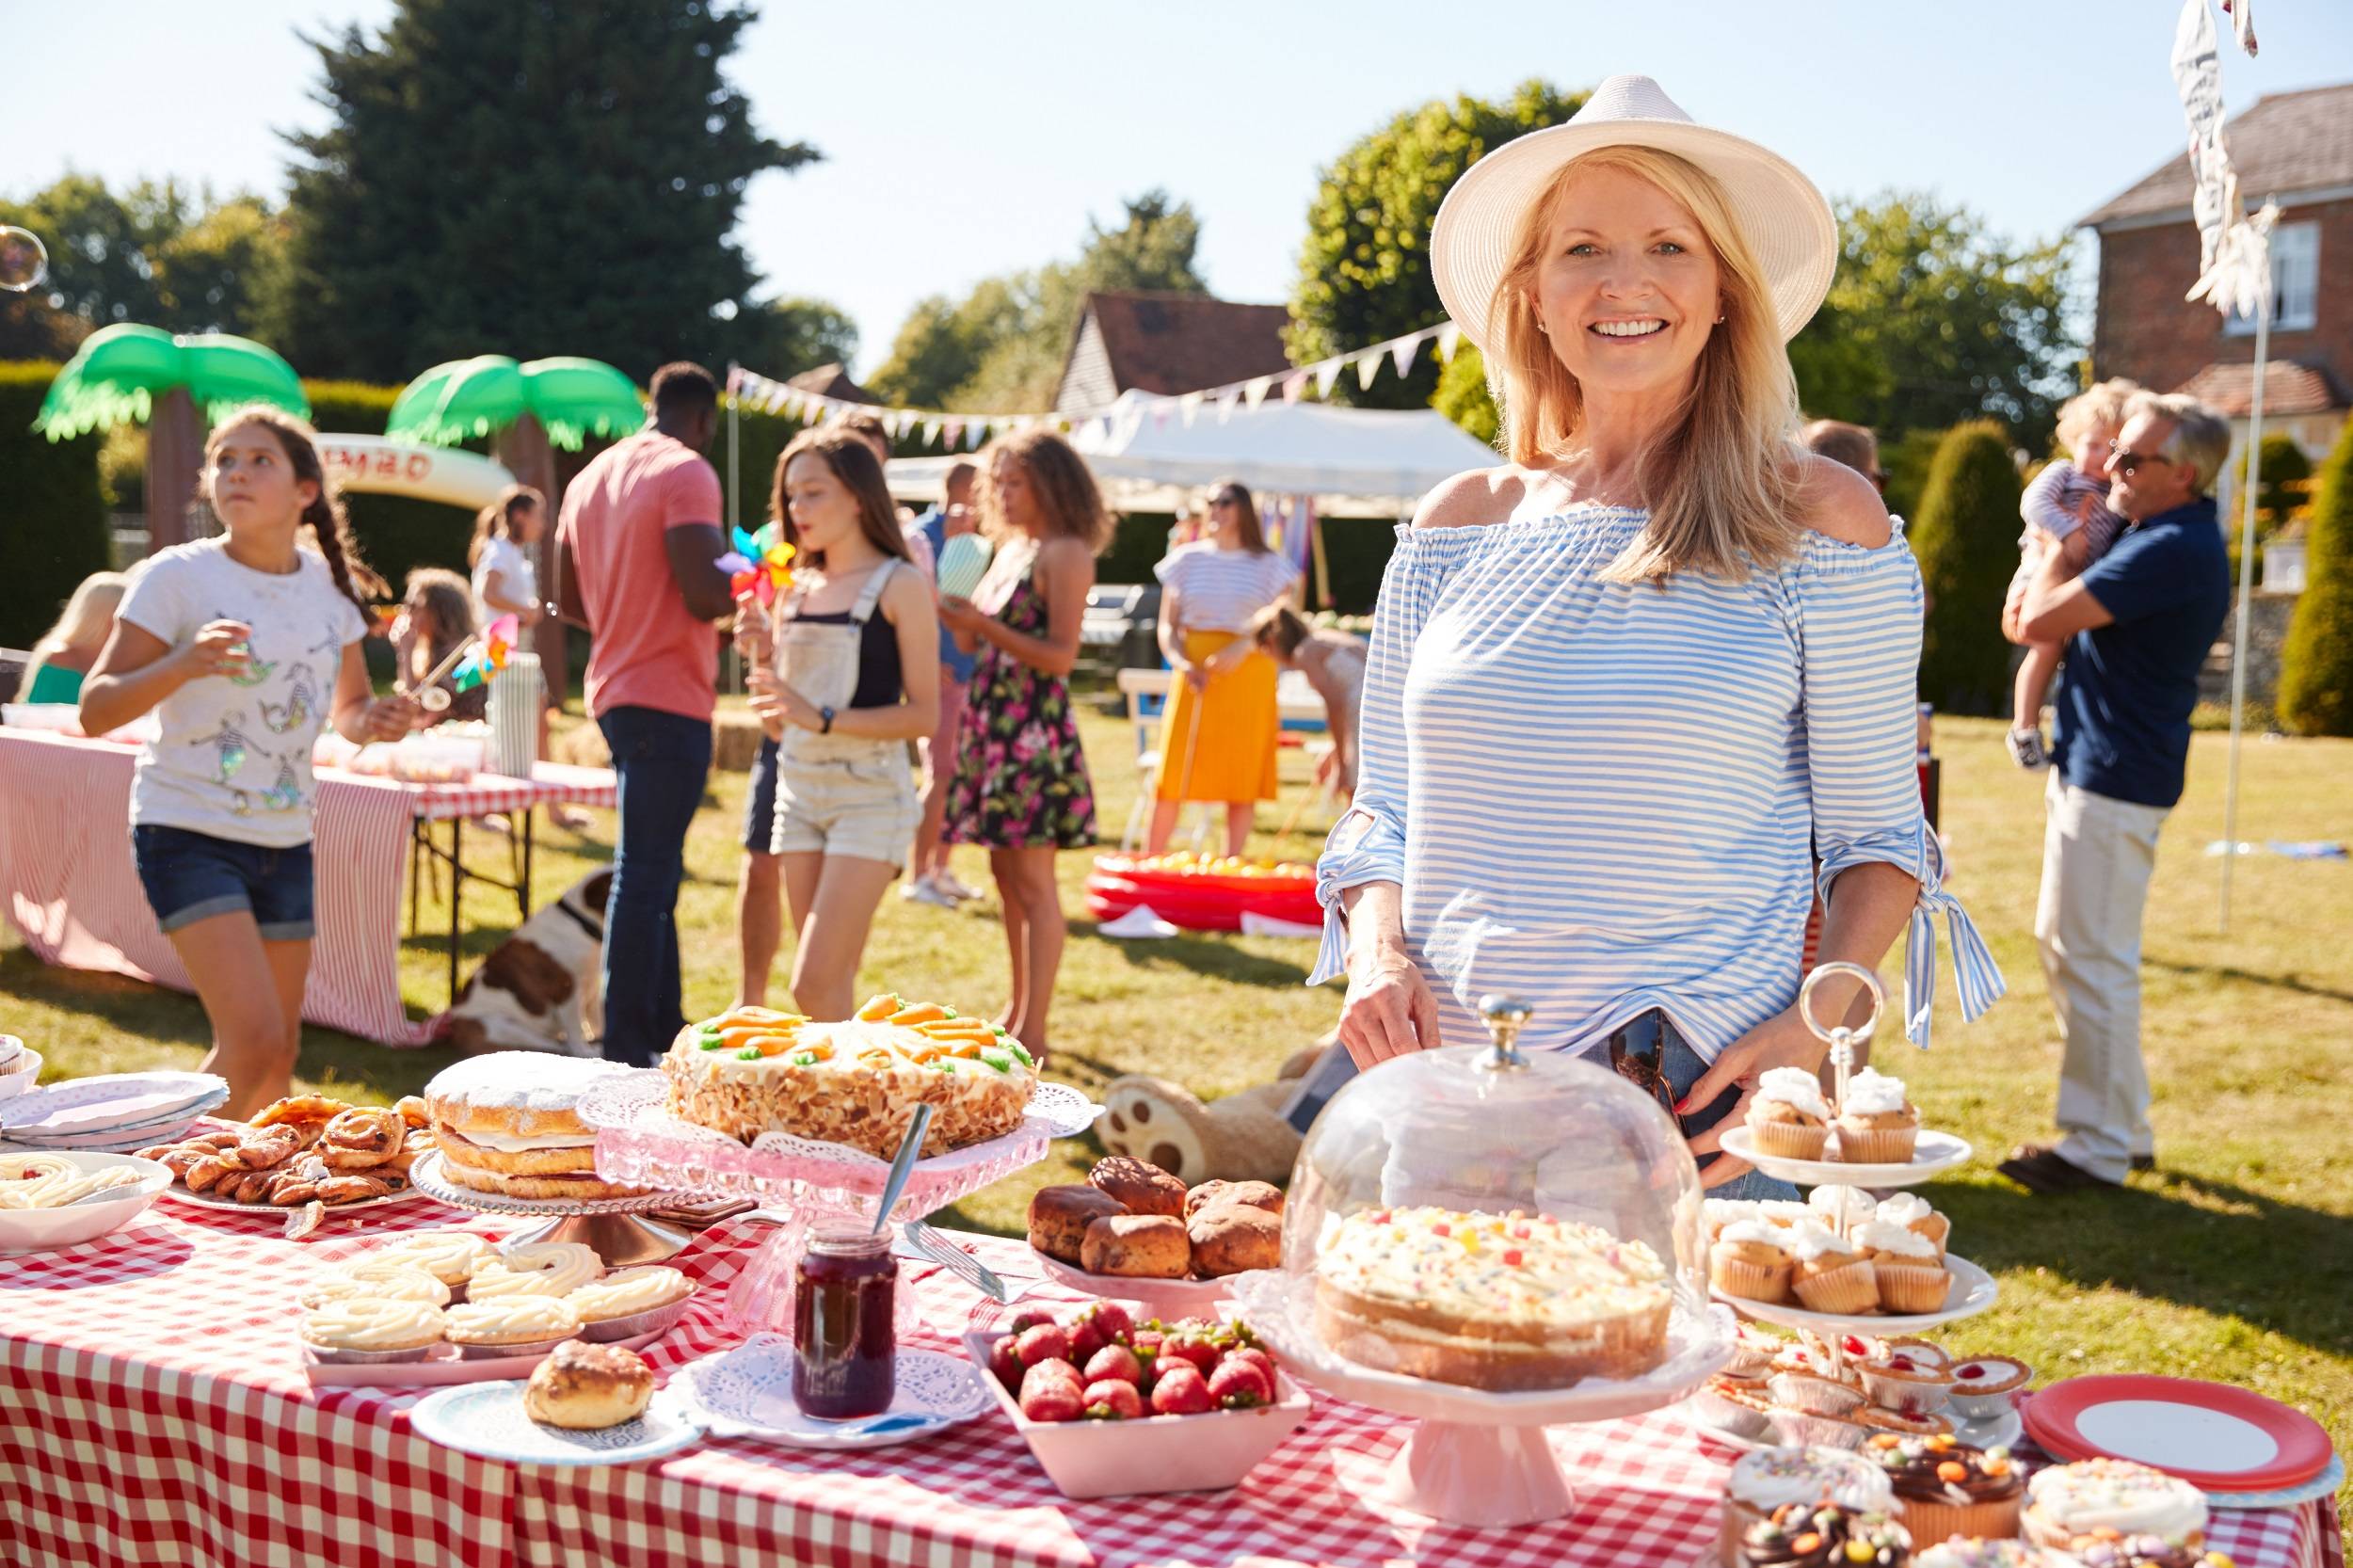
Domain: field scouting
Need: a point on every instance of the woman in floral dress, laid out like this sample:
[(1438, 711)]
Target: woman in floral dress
[(1021, 789)]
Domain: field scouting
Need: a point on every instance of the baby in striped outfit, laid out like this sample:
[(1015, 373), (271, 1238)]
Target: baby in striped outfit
[(2065, 509)]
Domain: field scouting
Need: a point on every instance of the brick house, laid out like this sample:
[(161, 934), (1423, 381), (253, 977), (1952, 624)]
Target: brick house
[(2294, 147), (1166, 343)]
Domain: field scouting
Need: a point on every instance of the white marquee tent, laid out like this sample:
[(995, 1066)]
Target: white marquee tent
[(1353, 462)]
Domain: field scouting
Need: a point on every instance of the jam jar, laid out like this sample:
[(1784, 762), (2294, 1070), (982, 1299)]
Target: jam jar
[(844, 1325)]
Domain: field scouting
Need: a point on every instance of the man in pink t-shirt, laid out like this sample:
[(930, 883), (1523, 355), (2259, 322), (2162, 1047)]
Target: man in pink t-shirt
[(638, 547)]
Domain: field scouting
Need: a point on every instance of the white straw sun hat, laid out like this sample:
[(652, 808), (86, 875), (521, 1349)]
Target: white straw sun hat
[(1788, 226)]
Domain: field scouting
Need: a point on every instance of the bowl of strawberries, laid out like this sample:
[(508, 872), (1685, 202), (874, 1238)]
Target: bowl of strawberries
[(1115, 1403)]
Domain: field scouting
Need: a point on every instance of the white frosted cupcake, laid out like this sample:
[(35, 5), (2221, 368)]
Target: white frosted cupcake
[(1877, 1124), (1788, 1117), (1842, 1208), (1912, 1211), (1716, 1213), (632, 1302), (510, 1325), (2094, 1498), (1832, 1275), (1911, 1277), (1750, 1259), (371, 1331), (374, 1278)]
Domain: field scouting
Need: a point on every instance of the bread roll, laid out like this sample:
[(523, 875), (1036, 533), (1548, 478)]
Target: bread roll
[(1141, 1246), (584, 1387), (1256, 1194), (1140, 1189), (1059, 1217), (1228, 1238)]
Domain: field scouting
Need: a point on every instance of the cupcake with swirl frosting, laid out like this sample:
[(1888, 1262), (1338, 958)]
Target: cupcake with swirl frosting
[(1877, 1124), (1904, 1264), (370, 1331), (1832, 1275), (629, 1303), (1912, 1211)]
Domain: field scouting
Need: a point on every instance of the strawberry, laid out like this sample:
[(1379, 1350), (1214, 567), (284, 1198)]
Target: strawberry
[(1250, 1355), (1048, 1395), (1116, 1362), (1238, 1385), (1042, 1342), (1114, 1319), (1086, 1337), (1110, 1400), (1004, 1362), (1180, 1391), (1189, 1347), (1025, 1321)]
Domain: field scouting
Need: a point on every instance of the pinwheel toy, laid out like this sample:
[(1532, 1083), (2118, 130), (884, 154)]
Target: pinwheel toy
[(758, 565)]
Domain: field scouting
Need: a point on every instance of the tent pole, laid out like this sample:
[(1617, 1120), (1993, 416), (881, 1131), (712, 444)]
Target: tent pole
[(2246, 595), (735, 404)]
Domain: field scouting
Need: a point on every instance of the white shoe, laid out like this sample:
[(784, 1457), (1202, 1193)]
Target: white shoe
[(924, 890), (947, 883)]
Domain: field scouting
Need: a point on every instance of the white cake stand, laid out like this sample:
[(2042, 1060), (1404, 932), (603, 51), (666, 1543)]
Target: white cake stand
[(615, 1229), (1477, 1458)]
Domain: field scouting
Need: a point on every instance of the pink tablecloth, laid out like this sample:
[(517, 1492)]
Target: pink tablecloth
[(151, 1412), (70, 887)]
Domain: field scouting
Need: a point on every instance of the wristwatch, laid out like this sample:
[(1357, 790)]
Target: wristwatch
[(826, 717)]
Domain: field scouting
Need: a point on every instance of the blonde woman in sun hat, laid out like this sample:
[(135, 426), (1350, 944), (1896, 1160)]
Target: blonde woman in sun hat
[(1624, 685)]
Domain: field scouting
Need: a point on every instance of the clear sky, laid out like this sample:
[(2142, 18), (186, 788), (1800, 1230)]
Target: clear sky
[(966, 139)]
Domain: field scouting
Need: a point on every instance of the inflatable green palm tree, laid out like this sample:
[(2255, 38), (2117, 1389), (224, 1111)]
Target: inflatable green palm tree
[(128, 374), (571, 398)]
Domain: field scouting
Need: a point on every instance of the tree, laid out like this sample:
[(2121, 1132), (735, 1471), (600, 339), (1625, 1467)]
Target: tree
[(1964, 539), (783, 336), (1000, 349), (156, 253), (1363, 271), (1933, 319), (2317, 664), (525, 177), (1462, 395), (2285, 473)]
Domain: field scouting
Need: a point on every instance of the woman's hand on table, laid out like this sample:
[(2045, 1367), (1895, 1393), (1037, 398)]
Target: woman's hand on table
[(1781, 1041), (1390, 1010)]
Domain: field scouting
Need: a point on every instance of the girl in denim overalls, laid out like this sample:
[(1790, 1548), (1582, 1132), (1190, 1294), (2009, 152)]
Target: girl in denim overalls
[(851, 675)]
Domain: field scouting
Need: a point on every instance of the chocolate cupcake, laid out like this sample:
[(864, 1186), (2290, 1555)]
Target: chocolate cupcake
[(2142, 1551), (1824, 1535), (1945, 1488)]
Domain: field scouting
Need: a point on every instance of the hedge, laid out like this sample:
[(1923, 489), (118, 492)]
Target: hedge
[(2317, 662), (54, 531), (1966, 541)]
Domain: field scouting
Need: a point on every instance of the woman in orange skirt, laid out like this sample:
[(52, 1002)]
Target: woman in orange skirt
[(1218, 735)]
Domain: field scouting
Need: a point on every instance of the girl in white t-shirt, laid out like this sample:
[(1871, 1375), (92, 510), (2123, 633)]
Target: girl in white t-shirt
[(244, 646)]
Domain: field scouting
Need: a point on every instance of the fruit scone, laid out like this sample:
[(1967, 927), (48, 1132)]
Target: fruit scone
[(856, 1081)]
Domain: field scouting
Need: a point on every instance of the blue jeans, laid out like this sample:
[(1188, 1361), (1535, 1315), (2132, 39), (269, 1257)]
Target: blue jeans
[(191, 876), (1681, 1066), (663, 761)]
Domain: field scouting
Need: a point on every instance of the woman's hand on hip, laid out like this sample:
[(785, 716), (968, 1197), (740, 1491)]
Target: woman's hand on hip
[(1390, 1010), (1781, 1041)]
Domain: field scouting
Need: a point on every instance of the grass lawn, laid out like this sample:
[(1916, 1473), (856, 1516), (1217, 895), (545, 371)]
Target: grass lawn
[(2233, 1261)]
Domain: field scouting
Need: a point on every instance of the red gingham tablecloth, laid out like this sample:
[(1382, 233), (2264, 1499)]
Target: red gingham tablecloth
[(151, 1412), (70, 887)]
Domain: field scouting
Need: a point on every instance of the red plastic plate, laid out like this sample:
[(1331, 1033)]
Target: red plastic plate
[(2211, 1434)]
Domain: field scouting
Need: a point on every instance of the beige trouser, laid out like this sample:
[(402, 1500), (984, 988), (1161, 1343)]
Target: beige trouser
[(2097, 855)]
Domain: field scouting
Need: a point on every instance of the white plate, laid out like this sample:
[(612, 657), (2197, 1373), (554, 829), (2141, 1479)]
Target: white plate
[(110, 1101), (487, 1419), (747, 1392), (1932, 1154), (2320, 1485), (33, 1229), (129, 1138), (1167, 1298), (1973, 1292)]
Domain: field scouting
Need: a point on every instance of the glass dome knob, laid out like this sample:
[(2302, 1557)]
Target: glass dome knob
[(1504, 1018)]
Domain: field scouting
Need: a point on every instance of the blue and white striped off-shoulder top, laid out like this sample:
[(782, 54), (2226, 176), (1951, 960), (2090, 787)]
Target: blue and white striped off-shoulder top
[(1605, 798)]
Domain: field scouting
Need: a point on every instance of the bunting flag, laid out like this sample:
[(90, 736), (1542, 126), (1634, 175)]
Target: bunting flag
[(2234, 250), (953, 432)]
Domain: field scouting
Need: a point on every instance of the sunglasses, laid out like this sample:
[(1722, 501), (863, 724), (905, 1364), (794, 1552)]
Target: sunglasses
[(2124, 461), (1645, 1069)]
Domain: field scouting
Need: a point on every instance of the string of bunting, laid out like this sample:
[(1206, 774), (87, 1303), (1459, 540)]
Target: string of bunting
[(969, 431)]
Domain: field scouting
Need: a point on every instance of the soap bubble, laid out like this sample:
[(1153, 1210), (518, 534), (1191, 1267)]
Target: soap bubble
[(24, 260)]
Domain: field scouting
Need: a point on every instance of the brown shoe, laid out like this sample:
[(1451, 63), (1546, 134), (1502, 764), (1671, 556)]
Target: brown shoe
[(2043, 1171)]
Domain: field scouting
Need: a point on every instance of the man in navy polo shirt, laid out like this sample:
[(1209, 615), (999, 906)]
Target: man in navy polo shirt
[(2138, 623)]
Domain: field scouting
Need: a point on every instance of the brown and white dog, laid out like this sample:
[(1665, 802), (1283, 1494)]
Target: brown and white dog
[(538, 990)]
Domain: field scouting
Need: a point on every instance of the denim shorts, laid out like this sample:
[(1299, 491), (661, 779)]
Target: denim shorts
[(760, 802), (191, 876)]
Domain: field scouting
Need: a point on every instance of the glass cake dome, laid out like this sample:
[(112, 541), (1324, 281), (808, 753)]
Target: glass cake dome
[(1511, 1158)]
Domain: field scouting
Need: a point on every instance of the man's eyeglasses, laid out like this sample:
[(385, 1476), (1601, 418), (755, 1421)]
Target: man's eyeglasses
[(2124, 461)]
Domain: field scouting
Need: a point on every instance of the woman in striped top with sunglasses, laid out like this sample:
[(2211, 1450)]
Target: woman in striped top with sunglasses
[(1626, 689)]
